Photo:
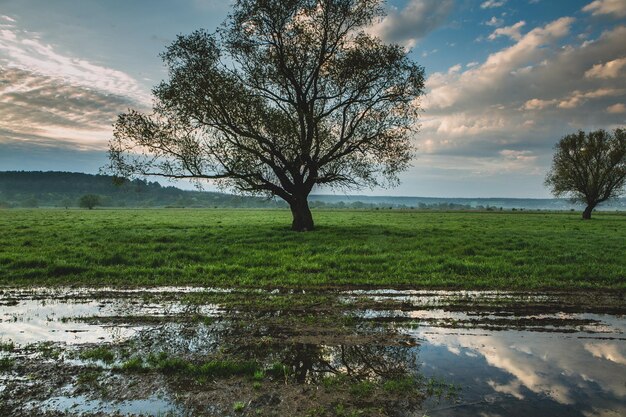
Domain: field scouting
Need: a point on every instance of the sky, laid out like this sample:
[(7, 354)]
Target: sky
[(506, 79)]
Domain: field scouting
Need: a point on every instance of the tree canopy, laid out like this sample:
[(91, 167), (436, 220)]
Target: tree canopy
[(286, 95), (89, 201), (589, 167)]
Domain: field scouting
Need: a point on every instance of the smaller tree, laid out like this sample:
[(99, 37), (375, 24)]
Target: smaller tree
[(67, 203), (89, 201), (589, 167)]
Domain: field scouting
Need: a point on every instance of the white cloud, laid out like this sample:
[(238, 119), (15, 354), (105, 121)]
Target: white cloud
[(557, 368), (617, 108), (55, 99), (427, 53), (572, 100), (454, 69), (609, 352), (25, 50), (524, 157), (447, 90), (50, 111), (611, 69), (512, 388), (507, 111), (494, 21), (490, 4), (538, 104), (616, 8), (577, 98), (463, 124), (416, 20), (7, 18), (511, 31)]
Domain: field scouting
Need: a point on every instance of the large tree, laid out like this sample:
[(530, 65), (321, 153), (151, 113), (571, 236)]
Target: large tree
[(589, 167), (284, 96)]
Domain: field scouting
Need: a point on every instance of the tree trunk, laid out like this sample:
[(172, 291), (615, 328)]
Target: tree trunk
[(587, 212), (302, 217), (303, 361)]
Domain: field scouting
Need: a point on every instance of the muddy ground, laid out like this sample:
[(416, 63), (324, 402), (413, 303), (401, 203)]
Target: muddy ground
[(216, 352)]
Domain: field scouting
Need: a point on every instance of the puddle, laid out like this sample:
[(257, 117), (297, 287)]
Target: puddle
[(526, 373), (41, 316), (80, 404), (190, 351)]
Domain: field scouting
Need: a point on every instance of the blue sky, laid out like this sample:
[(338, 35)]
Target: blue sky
[(506, 80)]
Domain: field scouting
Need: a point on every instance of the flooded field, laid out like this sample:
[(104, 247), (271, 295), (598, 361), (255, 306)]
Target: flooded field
[(218, 352)]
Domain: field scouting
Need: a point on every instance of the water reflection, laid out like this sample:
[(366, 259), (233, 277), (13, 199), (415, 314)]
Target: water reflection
[(569, 374), (536, 355), (309, 363), (33, 317), (537, 359)]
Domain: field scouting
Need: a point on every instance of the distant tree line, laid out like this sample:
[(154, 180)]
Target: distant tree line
[(23, 189), (385, 205), (65, 189)]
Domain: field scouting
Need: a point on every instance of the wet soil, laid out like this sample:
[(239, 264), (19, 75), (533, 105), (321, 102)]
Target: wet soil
[(221, 352)]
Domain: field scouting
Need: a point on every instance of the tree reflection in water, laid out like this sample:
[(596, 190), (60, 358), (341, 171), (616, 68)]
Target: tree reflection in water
[(310, 362), (361, 367)]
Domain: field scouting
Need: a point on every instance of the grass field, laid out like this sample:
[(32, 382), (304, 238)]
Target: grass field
[(470, 250)]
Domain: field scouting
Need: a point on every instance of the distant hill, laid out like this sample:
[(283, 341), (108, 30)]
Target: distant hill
[(64, 189)]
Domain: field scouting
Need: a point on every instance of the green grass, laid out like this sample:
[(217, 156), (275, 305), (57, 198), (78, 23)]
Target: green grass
[(101, 353), (239, 406), (480, 250), (134, 364), (6, 364), (8, 346), (174, 365)]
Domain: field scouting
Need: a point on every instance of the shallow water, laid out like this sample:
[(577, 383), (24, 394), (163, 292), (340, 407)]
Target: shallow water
[(42, 315), (80, 404), (508, 357), (520, 364), (523, 372)]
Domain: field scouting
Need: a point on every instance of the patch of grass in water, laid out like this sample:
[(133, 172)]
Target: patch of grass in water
[(6, 364), (168, 365), (278, 371), (48, 350), (134, 364), (227, 368), (101, 353), (333, 381), (89, 378), (162, 362), (441, 389), (8, 346), (362, 389), (400, 385)]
